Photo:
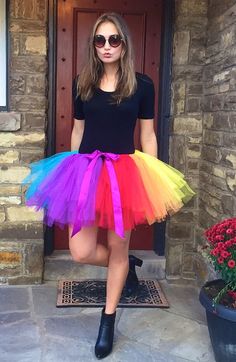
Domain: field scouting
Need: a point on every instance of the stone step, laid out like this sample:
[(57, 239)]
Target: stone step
[(59, 265)]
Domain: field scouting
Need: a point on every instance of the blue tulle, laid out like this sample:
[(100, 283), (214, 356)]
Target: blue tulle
[(41, 169)]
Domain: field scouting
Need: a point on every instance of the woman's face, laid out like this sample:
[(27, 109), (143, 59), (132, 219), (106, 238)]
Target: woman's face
[(108, 54)]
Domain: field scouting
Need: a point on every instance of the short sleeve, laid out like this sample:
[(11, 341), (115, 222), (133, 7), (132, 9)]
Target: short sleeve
[(146, 106), (78, 111)]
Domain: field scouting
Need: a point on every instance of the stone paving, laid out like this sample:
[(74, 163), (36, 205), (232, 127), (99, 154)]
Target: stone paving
[(32, 329)]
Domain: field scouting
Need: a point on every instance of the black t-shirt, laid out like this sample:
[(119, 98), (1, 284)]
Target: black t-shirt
[(110, 127)]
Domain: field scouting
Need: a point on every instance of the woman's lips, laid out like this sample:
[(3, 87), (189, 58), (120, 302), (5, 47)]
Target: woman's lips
[(107, 55)]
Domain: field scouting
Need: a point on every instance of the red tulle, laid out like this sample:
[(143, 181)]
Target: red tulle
[(136, 207)]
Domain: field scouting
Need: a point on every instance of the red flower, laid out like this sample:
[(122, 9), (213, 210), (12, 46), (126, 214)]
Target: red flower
[(220, 260), (224, 254), (231, 263)]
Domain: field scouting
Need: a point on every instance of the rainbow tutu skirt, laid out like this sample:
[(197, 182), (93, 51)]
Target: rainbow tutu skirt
[(113, 191)]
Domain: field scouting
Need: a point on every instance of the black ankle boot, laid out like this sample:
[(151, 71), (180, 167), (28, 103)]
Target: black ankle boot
[(104, 342), (131, 284)]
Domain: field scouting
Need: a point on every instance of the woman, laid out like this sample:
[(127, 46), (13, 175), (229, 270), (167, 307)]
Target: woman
[(108, 183)]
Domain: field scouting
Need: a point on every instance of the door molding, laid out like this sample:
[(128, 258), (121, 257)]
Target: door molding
[(164, 104)]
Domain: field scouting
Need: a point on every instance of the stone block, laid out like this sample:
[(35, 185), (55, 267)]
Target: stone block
[(229, 140), (191, 8), (2, 215), (195, 89), (186, 125), (229, 158), (179, 231), (22, 139), (231, 181), (34, 259), (10, 270), (230, 102), (174, 259), (24, 26), (14, 44), (9, 156), (29, 156), (21, 231), (10, 258), (224, 87), (187, 265), (33, 45), (219, 121), (179, 97), (193, 105), (228, 204), (222, 76), (227, 38), (183, 216), (177, 152), (211, 154), (193, 166), (196, 23), (25, 280), (23, 103), (8, 200), (190, 73), (217, 102), (7, 190), (193, 151), (205, 219), (181, 47), (197, 55), (10, 121), (23, 213), (17, 83), (190, 247), (212, 138), (36, 84), (211, 201), (212, 180), (13, 174), (29, 64), (33, 121), (219, 171), (32, 10), (194, 139)]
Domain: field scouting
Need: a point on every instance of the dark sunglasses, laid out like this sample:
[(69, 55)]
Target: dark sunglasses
[(114, 40)]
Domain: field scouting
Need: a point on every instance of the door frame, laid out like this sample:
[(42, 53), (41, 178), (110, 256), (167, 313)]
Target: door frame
[(164, 105)]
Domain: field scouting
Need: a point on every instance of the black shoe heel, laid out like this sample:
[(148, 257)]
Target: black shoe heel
[(138, 262), (103, 346), (131, 284)]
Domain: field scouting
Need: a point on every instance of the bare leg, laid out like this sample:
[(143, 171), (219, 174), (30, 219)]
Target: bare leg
[(117, 269), (85, 249)]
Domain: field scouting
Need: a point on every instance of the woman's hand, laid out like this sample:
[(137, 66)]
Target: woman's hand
[(148, 137)]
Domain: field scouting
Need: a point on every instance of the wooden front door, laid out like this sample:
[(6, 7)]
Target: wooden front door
[(75, 19)]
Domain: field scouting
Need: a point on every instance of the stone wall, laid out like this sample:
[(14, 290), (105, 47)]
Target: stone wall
[(186, 130), (22, 140), (217, 196)]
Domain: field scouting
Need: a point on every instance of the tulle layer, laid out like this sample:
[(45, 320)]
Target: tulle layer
[(109, 190)]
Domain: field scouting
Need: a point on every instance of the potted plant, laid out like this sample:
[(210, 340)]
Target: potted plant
[(219, 296)]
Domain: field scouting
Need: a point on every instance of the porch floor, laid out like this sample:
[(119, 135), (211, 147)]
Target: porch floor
[(33, 329)]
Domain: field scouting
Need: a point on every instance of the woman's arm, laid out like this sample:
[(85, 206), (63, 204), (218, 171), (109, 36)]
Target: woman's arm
[(148, 137), (77, 134)]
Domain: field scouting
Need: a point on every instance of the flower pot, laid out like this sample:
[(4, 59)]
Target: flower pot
[(221, 322)]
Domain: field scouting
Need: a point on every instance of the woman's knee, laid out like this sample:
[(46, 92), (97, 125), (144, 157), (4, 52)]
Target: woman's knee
[(82, 255), (83, 245)]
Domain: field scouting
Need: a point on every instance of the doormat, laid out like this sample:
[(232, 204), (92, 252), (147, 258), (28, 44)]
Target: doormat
[(92, 293)]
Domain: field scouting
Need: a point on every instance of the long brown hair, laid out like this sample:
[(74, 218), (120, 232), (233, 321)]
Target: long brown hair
[(93, 69)]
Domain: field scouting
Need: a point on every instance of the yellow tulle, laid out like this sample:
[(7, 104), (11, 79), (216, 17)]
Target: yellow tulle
[(165, 186)]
